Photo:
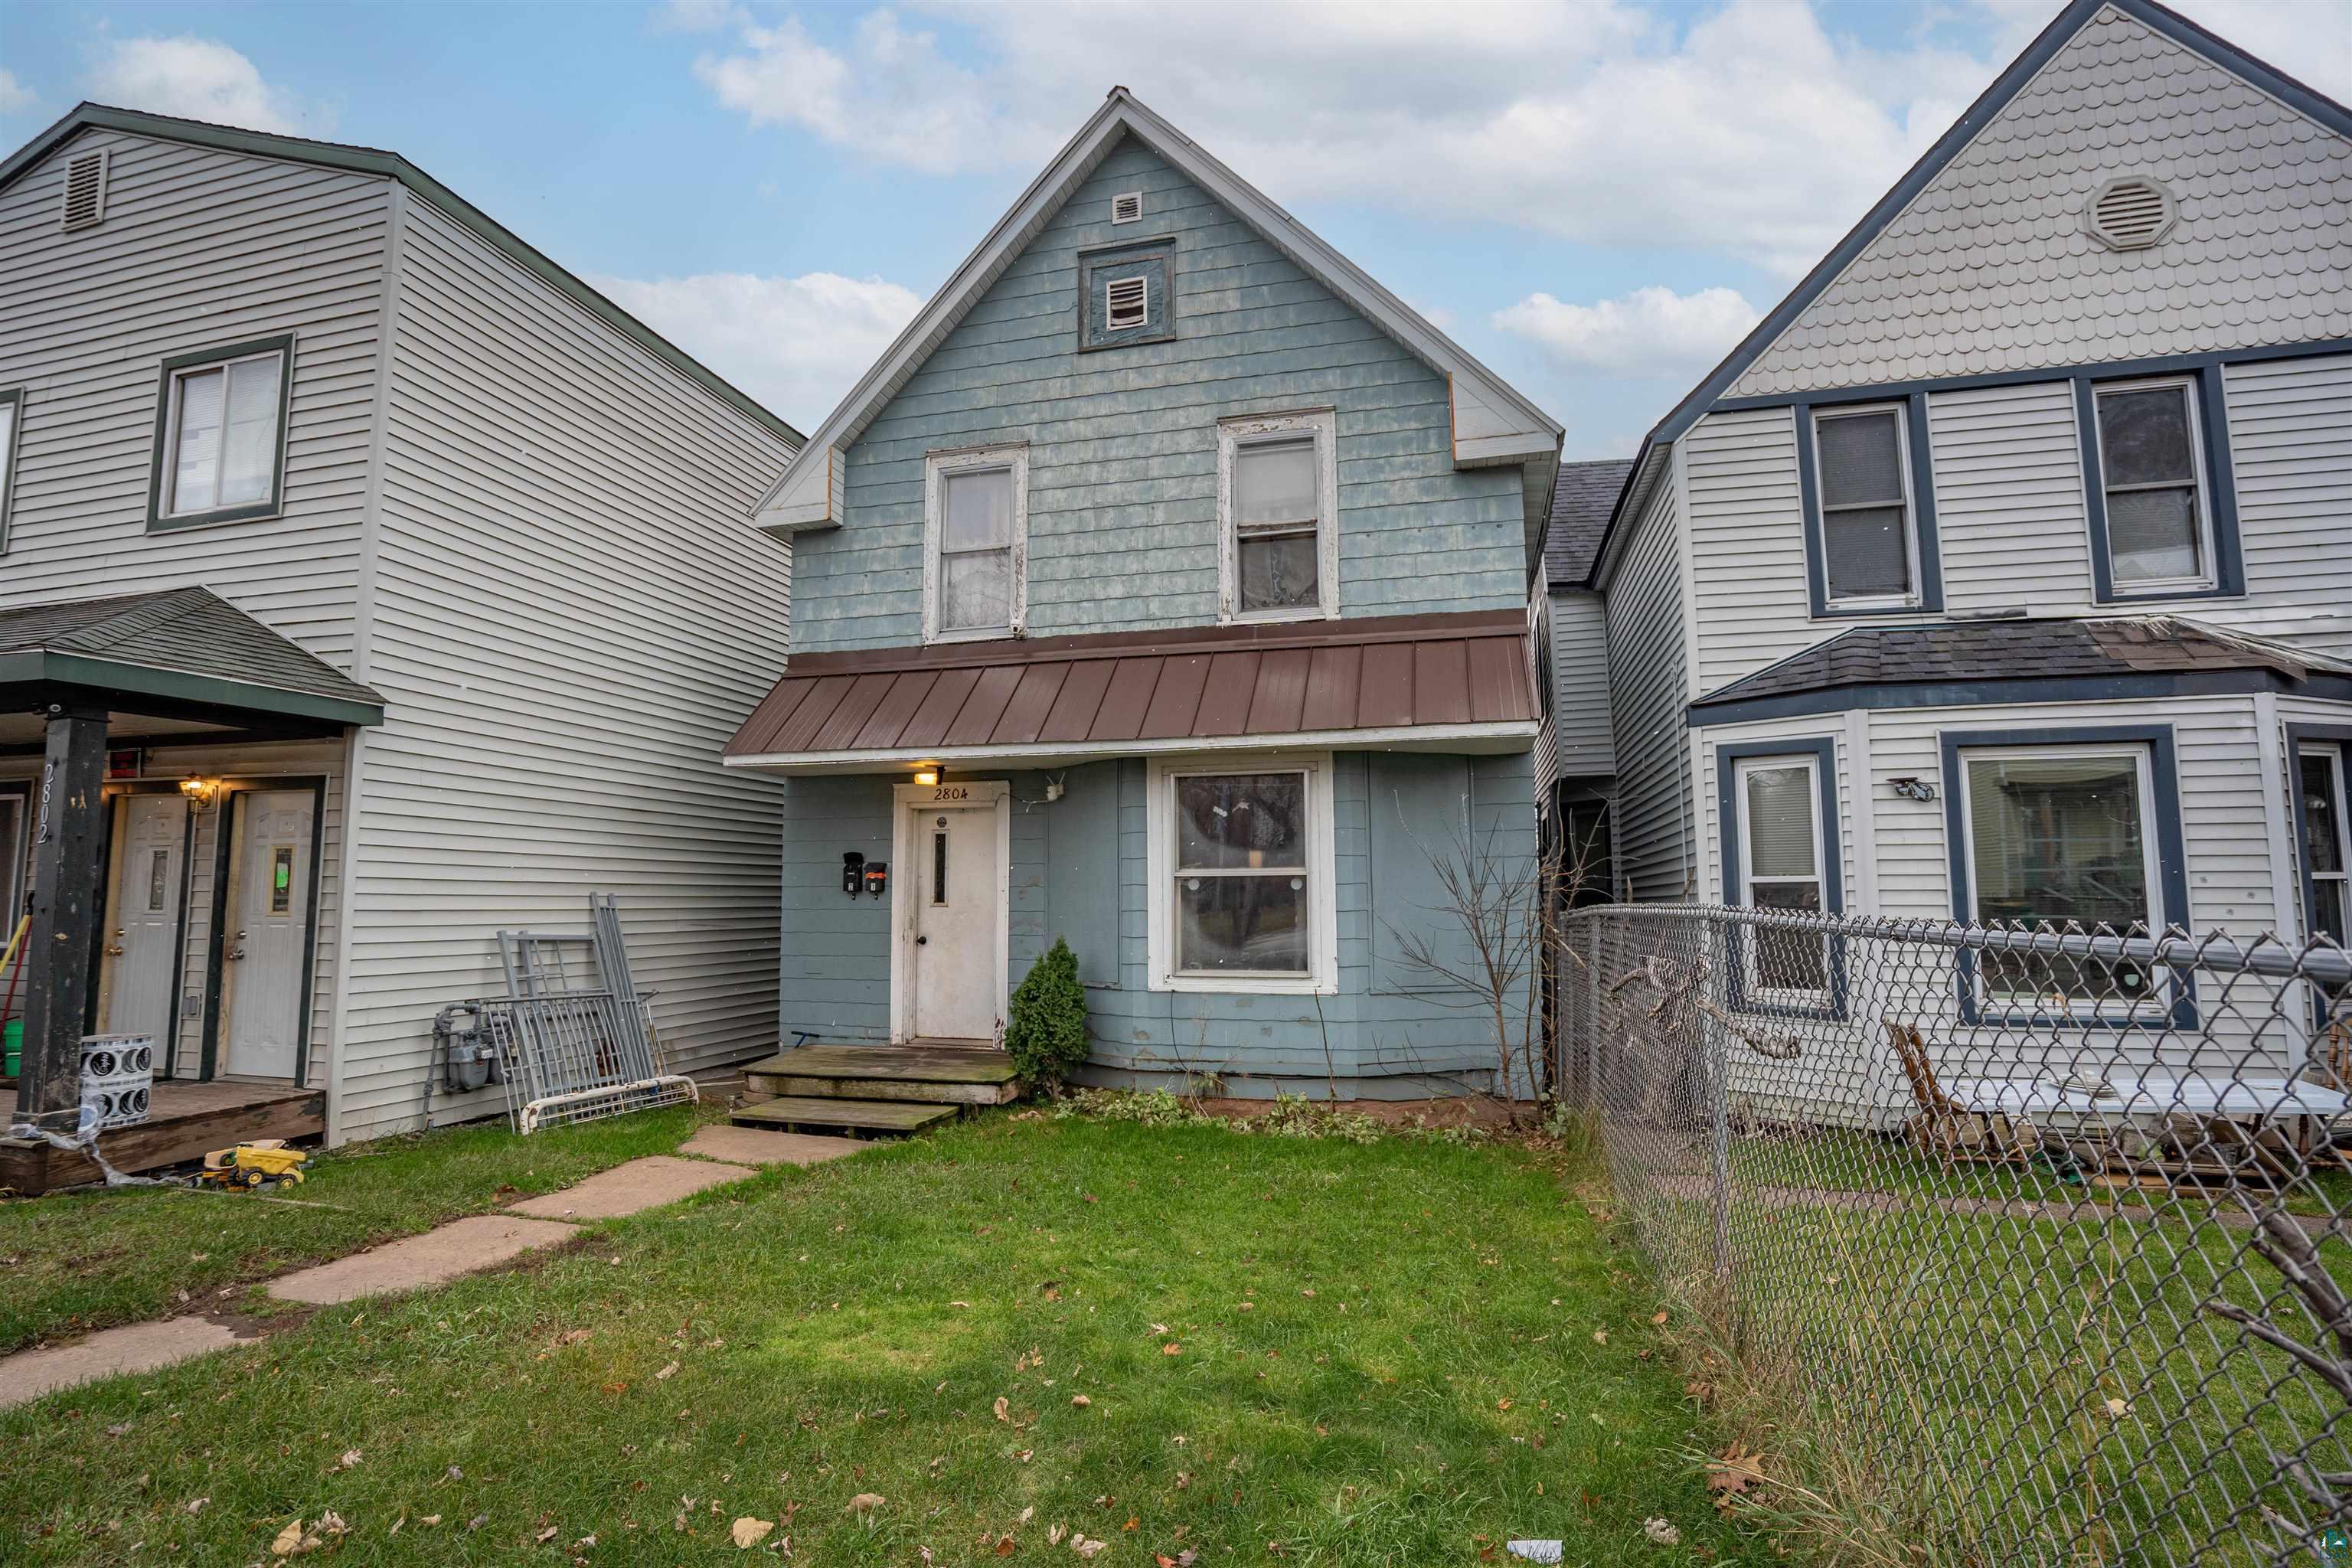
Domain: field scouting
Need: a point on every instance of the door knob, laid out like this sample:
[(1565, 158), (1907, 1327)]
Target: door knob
[(115, 951), (238, 954)]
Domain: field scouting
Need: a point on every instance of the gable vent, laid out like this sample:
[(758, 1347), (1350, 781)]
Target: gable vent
[(85, 192), (1127, 302), (2130, 213), (1126, 206)]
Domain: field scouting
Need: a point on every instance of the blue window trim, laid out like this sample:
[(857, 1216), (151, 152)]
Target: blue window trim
[(1822, 750), (2172, 873), (2218, 486), (2297, 737), (1921, 481)]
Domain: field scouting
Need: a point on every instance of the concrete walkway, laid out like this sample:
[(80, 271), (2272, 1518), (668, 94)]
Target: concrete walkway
[(446, 1253)]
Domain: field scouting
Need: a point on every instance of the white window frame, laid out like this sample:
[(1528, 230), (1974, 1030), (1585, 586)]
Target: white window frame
[(1322, 976), (1831, 599), (1752, 984), (1013, 458), (168, 509), (1250, 429), (2200, 481), (2157, 1002), (2335, 753)]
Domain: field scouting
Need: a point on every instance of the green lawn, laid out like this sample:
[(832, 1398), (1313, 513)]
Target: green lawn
[(77, 1261), (1167, 1339)]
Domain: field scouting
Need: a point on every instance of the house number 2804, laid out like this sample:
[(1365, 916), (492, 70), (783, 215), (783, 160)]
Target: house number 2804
[(951, 792)]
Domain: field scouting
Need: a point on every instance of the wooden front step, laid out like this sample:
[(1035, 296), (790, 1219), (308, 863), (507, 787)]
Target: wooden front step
[(936, 1075), (859, 1118)]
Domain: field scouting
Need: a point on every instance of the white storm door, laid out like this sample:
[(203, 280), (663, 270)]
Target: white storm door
[(959, 991), (268, 930), (142, 918)]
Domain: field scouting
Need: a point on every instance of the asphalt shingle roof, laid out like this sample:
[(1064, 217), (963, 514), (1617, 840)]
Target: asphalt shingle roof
[(191, 630), (2014, 650), (1581, 500)]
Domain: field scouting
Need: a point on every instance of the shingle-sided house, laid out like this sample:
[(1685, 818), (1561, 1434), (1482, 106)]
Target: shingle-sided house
[(367, 584), (2002, 571), (1576, 760), (1164, 588)]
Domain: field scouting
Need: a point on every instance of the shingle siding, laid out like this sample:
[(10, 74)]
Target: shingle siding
[(1989, 268)]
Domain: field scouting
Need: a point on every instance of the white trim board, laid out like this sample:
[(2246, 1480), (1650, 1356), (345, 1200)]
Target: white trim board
[(1493, 423), (1492, 738), (1322, 976)]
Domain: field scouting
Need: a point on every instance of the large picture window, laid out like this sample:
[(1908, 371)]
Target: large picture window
[(1277, 492), (2062, 839), (1241, 865), (975, 529), (221, 435)]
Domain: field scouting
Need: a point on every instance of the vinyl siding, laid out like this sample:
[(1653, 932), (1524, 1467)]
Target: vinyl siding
[(570, 618), (1649, 684), (199, 248), (2290, 439), (1988, 268), (1747, 544), (1122, 527), (2009, 499), (1579, 676)]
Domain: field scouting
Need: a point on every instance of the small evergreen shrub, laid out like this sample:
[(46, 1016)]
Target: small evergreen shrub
[(1045, 1029)]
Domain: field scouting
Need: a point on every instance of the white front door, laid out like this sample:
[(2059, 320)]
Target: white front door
[(268, 931), (140, 977), (956, 980)]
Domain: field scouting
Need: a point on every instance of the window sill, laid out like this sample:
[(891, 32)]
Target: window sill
[(975, 634), (1278, 617), (1247, 984), (2162, 593), (1843, 609), (268, 512)]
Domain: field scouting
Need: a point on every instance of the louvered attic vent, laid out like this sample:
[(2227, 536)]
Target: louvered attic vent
[(1127, 302), (85, 192), (2130, 213), (1126, 206)]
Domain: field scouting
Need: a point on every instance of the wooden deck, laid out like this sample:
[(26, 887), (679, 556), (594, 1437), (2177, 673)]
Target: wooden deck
[(186, 1120)]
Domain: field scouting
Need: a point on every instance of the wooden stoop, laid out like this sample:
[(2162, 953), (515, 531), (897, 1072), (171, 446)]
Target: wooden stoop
[(867, 1091)]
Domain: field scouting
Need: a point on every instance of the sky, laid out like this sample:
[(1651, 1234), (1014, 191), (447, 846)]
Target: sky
[(1596, 198)]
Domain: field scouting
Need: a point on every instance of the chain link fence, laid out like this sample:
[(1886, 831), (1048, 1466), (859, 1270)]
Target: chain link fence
[(2045, 1230)]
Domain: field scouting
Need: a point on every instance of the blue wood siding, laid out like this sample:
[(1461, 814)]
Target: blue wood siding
[(1376, 1038), (1123, 451)]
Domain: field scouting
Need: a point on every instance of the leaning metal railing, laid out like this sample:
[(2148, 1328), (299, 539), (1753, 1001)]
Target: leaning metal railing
[(2044, 1231)]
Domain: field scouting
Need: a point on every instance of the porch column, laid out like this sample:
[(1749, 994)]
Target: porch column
[(66, 836)]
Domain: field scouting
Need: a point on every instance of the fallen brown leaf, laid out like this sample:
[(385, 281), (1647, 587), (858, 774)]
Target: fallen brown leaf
[(865, 1502), (748, 1533)]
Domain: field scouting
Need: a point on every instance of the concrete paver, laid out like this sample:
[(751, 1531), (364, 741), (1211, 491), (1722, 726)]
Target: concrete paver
[(644, 1183), (140, 1347), (758, 1146), (461, 1247)]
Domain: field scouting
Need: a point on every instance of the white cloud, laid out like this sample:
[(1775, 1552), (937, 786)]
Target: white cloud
[(795, 344), (1750, 131), (14, 94), (2310, 40), (1651, 331), (697, 16), (197, 79)]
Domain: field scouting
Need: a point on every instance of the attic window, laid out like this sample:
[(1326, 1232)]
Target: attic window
[(2130, 213), (1127, 302), (85, 192), (1126, 206)]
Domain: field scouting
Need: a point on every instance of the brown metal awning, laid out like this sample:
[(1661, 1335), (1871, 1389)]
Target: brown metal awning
[(1460, 682)]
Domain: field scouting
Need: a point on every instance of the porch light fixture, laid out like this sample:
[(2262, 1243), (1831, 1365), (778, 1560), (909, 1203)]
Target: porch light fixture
[(927, 776), (201, 792)]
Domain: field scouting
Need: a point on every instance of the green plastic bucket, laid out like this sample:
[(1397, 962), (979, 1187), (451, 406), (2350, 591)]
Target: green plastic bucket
[(11, 1042)]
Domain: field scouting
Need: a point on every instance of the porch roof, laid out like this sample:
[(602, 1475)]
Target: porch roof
[(180, 652), (1455, 682)]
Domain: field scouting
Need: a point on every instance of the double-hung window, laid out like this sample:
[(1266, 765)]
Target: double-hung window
[(1241, 859), (2062, 839), (2326, 839), (1782, 859), (221, 435), (975, 529), (2151, 474), (1869, 540), (12, 412), (1277, 492)]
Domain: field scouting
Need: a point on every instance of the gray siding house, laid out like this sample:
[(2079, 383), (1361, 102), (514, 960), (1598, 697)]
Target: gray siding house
[(399, 581), (1576, 761), (1165, 588), (2002, 571)]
